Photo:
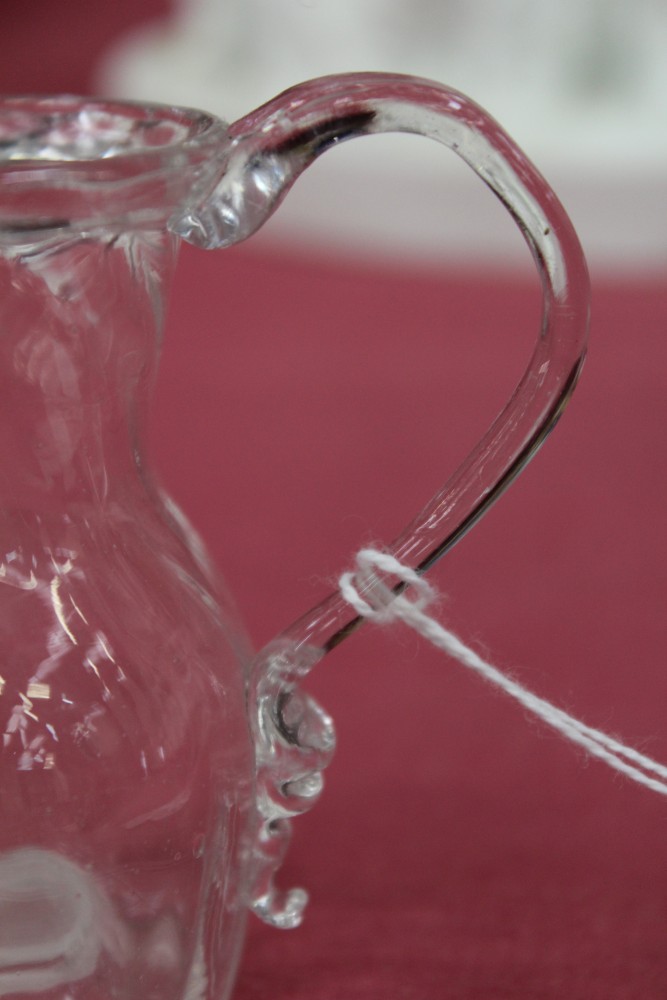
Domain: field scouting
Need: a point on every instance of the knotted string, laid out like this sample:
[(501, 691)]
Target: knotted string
[(371, 598)]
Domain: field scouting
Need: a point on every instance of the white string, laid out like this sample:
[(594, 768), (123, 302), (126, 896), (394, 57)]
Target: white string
[(373, 599)]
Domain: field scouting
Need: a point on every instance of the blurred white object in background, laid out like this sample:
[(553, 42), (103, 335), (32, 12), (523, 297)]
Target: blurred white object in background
[(580, 84)]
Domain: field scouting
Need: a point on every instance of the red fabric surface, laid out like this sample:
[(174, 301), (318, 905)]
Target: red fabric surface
[(308, 406), (460, 850)]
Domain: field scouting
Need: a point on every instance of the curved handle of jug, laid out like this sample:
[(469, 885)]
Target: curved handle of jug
[(267, 151), (271, 147)]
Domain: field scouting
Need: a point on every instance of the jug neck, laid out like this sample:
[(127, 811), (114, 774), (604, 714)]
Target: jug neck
[(80, 326)]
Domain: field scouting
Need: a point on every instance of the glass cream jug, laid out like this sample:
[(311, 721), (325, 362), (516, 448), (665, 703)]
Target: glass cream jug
[(150, 764)]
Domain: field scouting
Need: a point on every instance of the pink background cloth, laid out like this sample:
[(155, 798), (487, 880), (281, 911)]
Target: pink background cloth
[(309, 405)]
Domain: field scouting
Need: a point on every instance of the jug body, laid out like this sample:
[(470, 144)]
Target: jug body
[(127, 770), (126, 766), (149, 765)]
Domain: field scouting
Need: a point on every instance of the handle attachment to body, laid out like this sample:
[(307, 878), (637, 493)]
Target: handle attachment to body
[(266, 152)]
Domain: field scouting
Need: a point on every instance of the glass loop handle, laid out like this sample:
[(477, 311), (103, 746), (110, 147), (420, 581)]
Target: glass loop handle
[(265, 153), (271, 147)]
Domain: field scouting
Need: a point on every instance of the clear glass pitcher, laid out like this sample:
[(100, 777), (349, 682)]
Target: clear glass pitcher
[(150, 764)]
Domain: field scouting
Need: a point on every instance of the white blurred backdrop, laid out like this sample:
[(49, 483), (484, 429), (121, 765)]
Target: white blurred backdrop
[(580, 84)]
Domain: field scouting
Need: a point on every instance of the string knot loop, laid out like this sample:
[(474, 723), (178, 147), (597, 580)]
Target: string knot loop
[(372, 597)]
